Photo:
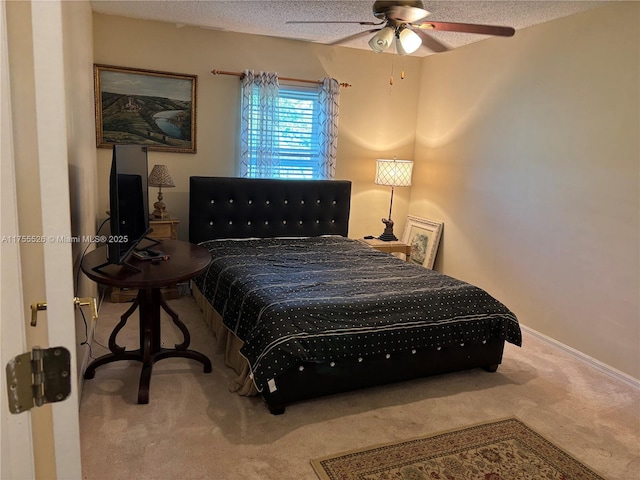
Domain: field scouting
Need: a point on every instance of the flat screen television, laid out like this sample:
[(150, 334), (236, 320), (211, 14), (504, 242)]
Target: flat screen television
[(128, 201)]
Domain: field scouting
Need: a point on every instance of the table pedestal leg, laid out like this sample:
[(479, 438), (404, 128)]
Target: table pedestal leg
[(149, 302)]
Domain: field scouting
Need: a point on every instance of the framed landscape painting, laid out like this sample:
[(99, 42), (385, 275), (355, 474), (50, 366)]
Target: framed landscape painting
[(424, 237), (145, 107)]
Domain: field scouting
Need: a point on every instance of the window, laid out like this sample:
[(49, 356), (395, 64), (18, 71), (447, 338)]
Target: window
[(295, 151), (288, 132)]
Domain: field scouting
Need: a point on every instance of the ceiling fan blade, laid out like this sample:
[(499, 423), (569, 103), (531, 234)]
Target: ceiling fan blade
[(354, 36), (333, 21), (406, 14), (468, 28), (430, 42)]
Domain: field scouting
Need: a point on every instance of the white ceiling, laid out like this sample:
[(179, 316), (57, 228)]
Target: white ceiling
[(268, 17)]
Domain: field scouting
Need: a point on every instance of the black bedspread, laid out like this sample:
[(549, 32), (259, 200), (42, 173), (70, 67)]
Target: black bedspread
[(322, 299)]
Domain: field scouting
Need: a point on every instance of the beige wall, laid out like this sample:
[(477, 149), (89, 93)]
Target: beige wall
[(77, 22), (375, 119), (527, 149), (529, 153)]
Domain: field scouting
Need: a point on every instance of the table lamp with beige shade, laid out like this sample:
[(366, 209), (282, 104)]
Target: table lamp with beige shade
[(395, 173), (160, 177)]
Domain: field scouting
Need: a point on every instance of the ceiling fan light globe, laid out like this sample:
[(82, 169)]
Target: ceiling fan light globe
[(381, 40), (407, 42)]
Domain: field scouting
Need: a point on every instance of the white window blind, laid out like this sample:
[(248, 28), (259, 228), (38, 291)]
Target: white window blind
[(295, 147)]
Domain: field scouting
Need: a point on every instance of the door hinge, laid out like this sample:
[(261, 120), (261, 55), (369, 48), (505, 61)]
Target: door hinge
[(38, 377)]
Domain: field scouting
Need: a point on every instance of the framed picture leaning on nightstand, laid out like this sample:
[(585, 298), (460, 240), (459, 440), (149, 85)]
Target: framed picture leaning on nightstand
[(424, 236)]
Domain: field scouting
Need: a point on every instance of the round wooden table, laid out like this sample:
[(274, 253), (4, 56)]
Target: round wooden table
[(185, 261)]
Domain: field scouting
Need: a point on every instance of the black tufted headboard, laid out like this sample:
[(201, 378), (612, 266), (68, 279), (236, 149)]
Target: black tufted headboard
[(225, 207)]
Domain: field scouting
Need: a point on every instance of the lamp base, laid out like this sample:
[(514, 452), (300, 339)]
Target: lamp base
[(387, 235), (159, 210)]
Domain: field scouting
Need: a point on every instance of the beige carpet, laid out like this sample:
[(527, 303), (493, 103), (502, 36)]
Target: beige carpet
[(501, 450), (194, 428)]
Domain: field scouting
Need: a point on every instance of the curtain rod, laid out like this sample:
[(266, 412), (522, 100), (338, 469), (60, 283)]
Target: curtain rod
[(240, 74)]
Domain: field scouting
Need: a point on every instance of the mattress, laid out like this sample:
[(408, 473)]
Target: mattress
[(322, 299)]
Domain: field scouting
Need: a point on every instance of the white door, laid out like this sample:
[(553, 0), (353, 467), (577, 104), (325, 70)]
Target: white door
[(15, 440), (24, 454)]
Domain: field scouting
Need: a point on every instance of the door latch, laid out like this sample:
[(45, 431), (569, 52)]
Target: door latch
[(84, 301), (38, 377), (78, 302), (35, 308)]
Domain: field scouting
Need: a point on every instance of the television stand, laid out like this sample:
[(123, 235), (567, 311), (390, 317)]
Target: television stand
[(186, 261), (125, 264), (163, 229), (154, 242)]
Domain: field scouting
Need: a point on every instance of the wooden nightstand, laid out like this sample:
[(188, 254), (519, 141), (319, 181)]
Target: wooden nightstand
[(162, 229), (394, 246)]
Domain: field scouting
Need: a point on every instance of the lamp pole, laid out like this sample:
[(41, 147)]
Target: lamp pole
[(391, 202)]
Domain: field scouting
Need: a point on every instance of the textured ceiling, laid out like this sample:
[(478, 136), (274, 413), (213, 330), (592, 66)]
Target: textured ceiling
[(268, 17)]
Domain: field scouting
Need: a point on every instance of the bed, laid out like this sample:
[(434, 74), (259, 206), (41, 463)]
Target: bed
[(300, 310)]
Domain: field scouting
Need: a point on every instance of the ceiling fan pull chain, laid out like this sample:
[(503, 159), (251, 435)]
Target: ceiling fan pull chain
[(391, 76), (402, 72)]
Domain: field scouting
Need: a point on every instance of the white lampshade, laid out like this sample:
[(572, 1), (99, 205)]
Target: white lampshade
[(381, 40), (394, 172), (407, 41)]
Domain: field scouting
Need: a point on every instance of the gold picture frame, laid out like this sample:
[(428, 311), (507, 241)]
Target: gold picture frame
[(145, 107), (424, 237)]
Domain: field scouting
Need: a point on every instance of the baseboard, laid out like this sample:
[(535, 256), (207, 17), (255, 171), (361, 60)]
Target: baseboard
[(583, 357)]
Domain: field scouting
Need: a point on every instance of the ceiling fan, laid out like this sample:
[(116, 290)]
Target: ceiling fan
[(405, 21)]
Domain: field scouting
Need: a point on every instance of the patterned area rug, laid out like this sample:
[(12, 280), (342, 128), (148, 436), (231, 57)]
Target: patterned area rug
[(506, 449)]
